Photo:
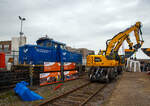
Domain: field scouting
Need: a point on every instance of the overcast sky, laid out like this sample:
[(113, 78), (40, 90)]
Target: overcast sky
[(78, 23)]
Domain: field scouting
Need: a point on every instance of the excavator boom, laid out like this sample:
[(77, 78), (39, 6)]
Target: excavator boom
[(115, 43)]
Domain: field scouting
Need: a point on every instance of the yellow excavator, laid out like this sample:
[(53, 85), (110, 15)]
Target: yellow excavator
[(108, 63)]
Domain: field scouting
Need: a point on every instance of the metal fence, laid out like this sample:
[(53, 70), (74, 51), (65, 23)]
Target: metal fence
[(11, 59)]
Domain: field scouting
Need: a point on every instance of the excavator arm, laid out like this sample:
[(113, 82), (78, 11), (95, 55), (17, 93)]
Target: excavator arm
[(115, 43), (129, 42), (138, 32)]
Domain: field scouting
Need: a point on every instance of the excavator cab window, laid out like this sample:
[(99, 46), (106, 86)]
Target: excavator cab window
[(101, 52), (122, 59), (97, 59)]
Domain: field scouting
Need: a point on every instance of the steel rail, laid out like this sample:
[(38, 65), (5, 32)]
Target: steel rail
[(90, 97), (57, 97)]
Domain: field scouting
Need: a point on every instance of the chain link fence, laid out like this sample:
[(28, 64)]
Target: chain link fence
[(11, 59)]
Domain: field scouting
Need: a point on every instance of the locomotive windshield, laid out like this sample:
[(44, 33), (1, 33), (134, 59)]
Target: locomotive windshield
[(41, 44), (47, 42), (62, 46)]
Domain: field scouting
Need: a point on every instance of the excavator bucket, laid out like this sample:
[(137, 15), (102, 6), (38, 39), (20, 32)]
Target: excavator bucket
[(146, 51), (129, 53)]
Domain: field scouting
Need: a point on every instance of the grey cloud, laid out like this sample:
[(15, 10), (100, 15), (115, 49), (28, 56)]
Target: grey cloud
[(78, 23)]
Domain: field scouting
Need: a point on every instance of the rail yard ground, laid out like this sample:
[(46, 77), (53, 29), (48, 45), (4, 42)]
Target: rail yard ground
[(130, 89), (9, 98)]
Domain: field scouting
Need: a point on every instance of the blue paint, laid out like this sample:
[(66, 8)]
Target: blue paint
[(25, 93), (47, 50)]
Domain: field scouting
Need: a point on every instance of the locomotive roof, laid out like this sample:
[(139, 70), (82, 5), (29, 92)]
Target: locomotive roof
[(42, 39)]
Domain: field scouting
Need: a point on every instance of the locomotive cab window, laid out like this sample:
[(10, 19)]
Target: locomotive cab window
[(55, 45), (97, 59), (41, 44), (62, 46), (49, 44)]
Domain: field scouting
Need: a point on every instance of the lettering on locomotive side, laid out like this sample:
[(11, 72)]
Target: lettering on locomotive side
[(42, 50)]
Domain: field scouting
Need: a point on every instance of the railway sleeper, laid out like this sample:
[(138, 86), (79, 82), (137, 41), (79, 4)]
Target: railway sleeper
[(77, 98), (63, 103), (69, 101), (72, 101), (80, 95)]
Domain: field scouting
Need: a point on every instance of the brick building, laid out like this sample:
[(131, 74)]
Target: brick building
[(5, 46), (83, 51), (86, 52)]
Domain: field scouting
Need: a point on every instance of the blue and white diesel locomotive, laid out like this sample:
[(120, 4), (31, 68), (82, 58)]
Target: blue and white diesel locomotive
[(47, 50)]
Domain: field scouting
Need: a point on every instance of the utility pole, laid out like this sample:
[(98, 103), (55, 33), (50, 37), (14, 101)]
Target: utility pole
[(21, 32)]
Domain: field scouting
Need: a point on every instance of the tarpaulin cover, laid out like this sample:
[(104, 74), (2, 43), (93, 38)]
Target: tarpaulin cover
[(25, 93)]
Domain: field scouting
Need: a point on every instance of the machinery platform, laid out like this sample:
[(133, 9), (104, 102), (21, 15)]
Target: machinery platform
[(132, 90)]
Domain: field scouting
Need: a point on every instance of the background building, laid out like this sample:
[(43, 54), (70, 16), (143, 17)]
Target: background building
[(83, 51), (5, 46), (16, 42), (11, 49)]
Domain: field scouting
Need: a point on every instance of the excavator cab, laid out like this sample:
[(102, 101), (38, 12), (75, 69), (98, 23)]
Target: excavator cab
[(122, 59), (101, 52)]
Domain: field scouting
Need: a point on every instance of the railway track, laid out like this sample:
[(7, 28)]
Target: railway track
[(9, 79), (79, 96)]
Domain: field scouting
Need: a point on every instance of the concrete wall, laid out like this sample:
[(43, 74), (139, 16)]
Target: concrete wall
[(17, 42)]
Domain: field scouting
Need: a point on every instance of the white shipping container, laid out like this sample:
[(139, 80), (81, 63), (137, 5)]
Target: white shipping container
[(84, 61), (17, 42)]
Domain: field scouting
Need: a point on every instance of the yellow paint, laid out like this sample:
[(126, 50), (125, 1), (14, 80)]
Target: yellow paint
[(113, 46)]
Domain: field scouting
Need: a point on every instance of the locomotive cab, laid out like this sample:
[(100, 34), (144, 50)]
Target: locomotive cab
[(48, 42)]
